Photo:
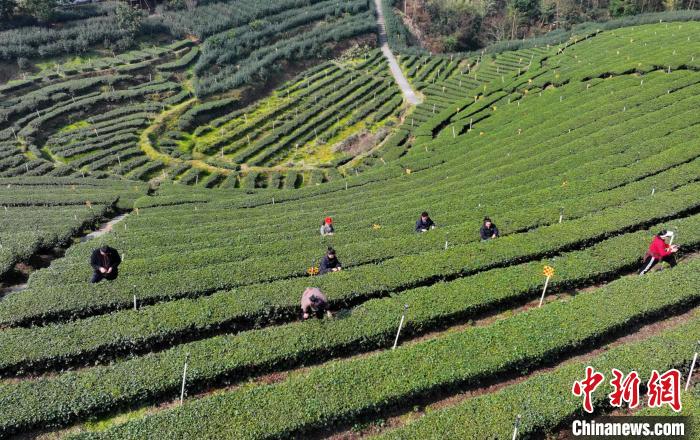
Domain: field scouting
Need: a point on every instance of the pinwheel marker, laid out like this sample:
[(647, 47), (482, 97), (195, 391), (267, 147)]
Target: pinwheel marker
[(692, 367), (184, 379), (549, 273), (516, 426), (313, 270), (403, 316)]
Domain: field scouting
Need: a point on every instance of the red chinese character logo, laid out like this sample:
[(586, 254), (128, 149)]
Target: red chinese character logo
[(626, 389), (587, 386), (665, 388)]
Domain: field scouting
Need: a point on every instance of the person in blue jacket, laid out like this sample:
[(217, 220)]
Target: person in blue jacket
[(424, 223), (488, 230), (329, 263)]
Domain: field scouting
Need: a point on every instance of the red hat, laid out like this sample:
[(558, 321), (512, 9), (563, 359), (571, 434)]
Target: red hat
[(329, 220)]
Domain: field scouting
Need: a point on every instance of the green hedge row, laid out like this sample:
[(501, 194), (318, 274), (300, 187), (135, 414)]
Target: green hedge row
[(343, 391), (372, 324), (493, 415), (53, 302), (358, 248)]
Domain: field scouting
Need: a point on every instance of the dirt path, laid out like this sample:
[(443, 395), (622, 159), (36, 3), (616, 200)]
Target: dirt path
[(104, 229), (408, 92)]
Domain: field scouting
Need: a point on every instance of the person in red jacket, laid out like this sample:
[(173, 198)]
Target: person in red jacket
[(659, 251)]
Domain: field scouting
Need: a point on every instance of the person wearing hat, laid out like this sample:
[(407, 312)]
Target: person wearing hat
[(658, 251), (105, 264), (313, 301), (424, 223), (327, 227), (488, 230), (329, 263)]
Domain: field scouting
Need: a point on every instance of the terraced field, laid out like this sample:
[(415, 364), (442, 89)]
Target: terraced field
[(580, 153), (180, 112)]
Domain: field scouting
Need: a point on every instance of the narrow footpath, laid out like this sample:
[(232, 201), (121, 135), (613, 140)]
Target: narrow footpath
[(408, 93)]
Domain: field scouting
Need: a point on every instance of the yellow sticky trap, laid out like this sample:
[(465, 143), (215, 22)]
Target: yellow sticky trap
[(312, 271), (548, 271), (408, 171), (376, 227)]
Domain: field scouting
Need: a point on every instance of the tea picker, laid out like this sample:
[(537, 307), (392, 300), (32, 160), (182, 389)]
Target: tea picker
[(659, 251)]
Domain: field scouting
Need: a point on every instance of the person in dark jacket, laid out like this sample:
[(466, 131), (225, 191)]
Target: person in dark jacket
[(424, 223), (659, 251), (488, 230), (329, 263), (105, 263), (313, 301)]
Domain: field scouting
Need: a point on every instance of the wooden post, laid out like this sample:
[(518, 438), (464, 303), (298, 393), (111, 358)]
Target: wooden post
[(184, 379), (544, 291), (403, 316), (516, 427), (692, 367)]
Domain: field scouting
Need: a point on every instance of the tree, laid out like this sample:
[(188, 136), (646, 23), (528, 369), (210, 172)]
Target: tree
[(7, 9), (42, 10), (619, 8), (514, 16), (129, 19), (23, 63), (529, 8)]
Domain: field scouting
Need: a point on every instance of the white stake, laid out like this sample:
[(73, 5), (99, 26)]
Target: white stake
[(453, 132), (517, 426), (396, 341), (445, 244), (546, 283), (692, 367), (653, 190), (135, 302), (184, 378)]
